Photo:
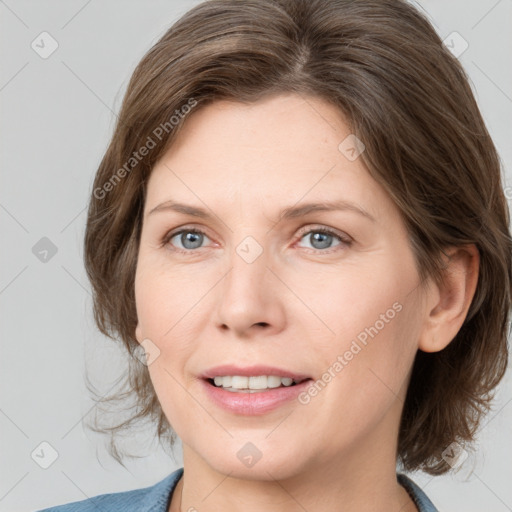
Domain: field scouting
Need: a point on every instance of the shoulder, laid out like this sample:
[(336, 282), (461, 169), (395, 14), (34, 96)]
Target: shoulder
[(420, 499), (148, 499)]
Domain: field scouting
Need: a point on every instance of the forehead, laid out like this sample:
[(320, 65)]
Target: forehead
[(282, 147), (288, 124)]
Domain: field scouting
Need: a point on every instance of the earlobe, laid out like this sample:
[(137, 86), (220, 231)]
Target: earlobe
[(447, 304), (138, 333)]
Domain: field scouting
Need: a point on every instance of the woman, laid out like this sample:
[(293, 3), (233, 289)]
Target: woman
[(299, 233)]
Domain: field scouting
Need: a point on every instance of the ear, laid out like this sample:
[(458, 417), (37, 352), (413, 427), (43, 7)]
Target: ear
[(447, 305)]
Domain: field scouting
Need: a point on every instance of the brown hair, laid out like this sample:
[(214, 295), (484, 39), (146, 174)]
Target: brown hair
[(381, 63)]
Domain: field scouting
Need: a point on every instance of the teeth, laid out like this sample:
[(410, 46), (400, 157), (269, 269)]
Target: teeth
[(237, 382), (222, 381)]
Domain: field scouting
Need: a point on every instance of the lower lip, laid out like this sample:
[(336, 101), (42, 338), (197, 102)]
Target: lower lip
[(253, 404)]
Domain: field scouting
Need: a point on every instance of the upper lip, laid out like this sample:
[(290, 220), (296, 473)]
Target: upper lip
[(252, 371)]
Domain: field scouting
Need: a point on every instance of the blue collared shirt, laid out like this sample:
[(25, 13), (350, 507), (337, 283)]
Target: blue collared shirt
[(157, 498)]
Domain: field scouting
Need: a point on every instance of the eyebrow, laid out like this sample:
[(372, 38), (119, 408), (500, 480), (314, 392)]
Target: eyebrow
[(291, 212)]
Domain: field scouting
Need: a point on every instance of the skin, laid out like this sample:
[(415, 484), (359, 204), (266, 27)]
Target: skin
[(298, 305)]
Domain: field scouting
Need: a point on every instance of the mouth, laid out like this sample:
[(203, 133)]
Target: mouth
[(255, 393), (252, 379)]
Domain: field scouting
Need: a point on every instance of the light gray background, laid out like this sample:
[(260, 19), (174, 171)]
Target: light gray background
[(57, 117)]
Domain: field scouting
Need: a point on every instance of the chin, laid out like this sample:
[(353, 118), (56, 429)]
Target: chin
[(251, 463)]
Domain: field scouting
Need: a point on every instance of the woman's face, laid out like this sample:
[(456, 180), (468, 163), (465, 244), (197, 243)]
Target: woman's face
[(261, 285)]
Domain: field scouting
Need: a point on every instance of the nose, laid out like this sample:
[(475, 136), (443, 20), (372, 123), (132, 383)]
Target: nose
[(250, 297)]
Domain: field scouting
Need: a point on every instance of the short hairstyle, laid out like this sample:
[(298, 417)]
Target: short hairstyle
[(406, 97)]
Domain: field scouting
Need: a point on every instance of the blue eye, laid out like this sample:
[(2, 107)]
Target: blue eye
[(189, 238), (323, 238)]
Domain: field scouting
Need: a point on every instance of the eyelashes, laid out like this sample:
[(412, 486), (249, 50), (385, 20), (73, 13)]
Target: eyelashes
[(344, 240)]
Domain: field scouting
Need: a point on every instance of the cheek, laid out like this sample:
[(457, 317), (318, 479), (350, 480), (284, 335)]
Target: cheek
[(167, 295), (373, 316), (353, 299), (364, 372), (165, 308)]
